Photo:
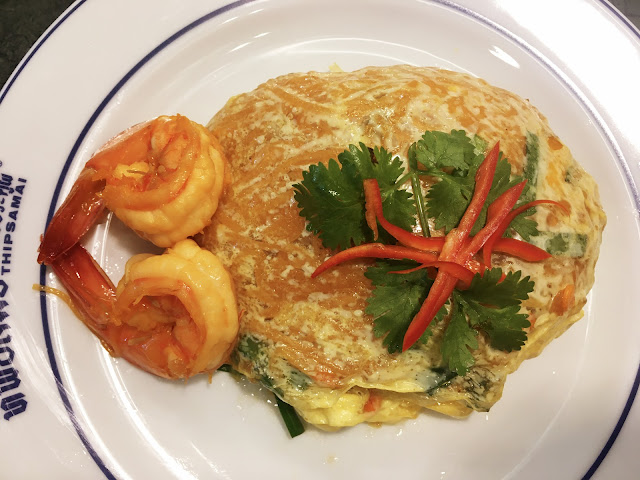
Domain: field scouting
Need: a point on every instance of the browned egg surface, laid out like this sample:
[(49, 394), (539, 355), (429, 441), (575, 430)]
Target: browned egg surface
[(317, 329)]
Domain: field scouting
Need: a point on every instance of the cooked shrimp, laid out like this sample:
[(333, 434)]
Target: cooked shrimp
[(174, 314), (162, 178)]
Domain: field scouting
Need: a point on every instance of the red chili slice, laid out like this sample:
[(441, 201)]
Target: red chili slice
[(373, 200), (484, 180), (496, 213), (396, 252), (520, 249), (489, 246)]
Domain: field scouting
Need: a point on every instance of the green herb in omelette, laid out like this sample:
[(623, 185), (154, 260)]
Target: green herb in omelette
[(255, 351), (290, 417)]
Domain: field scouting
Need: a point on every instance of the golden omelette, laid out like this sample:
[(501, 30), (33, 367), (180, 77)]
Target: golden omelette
[(310, 340)]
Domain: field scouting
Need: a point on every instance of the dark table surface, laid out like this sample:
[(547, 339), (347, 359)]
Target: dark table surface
[(23, 21)]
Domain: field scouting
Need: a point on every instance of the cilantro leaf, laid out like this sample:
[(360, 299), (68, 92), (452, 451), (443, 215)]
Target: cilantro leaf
[(397, 204), (492, 305), (331, 197), (436, 150), (447, 201), (360, 158), (501, 179), (448, 198), (396, 299), (504, 327), (526, 227), (458, 338), (331, 200), (488, 289)]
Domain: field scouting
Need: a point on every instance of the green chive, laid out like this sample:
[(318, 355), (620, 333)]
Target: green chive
[(290, 417)]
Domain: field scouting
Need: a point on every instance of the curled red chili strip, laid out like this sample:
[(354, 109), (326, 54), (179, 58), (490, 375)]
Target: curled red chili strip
[(489, 246), (395, 252), (496, 213), (484, 180), (520, 249)]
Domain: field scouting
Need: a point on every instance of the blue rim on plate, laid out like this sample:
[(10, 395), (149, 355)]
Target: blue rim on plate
[(463, 10)]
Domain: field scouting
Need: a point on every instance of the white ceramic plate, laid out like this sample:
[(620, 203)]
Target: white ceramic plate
[(71, 411)]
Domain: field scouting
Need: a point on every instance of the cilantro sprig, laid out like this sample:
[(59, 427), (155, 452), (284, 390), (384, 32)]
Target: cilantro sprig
[(454, 159), (396, 299), (332, 199), (490, 305)]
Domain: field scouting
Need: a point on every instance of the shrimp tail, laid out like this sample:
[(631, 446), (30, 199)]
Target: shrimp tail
[(94, 299), (90, 289), (74, 218)]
